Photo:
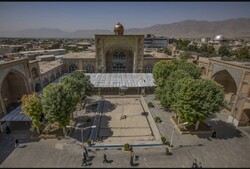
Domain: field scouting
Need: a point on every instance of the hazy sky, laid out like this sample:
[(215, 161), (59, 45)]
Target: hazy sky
[(71, 16)]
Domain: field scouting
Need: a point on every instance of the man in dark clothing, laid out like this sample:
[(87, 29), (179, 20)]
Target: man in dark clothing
[(105, 159), (84, 160), (214, 134), (16, 143)]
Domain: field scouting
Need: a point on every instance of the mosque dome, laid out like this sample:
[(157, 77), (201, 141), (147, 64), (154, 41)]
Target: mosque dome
[(118, 29), (219, 37)]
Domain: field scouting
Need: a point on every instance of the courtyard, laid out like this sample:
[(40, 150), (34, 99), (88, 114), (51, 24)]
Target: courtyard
[(230, 148)]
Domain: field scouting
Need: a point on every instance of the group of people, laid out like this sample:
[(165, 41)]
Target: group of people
[(196, 164)]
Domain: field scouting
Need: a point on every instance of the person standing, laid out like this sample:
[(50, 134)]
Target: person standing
[(105, 158), (17, 143), (131, 158), (214, 134), (199, 165), (194, 163), (85, 150), (84, 160)]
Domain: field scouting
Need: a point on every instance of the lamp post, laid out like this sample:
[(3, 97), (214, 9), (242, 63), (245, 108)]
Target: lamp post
[(123, 88), (173, 132), (81, 128)]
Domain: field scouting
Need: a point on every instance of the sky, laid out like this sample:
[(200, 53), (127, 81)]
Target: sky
[(72, 16)]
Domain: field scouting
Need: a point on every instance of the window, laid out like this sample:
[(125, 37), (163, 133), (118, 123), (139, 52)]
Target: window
[(89, 68), (45, 81), (148, 69), (72, 68)]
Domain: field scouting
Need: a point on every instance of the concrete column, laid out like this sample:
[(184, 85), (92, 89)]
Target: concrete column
[(80, 65)]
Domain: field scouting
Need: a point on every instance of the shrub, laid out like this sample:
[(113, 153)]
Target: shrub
[(163, 139), (126, 147), (89, 141), (150, 105), (158, 119)]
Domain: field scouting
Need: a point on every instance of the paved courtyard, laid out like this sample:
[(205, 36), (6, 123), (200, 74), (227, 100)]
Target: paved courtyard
[(230, 149), (135, 128)]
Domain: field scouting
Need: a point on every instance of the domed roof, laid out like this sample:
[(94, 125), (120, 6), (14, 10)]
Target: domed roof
[(219, 37), (118, 29)]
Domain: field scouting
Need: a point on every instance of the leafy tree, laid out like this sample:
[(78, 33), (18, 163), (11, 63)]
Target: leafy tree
[(224, 51), (32, 107), (58, 104), (243, 54), (185, 55), (192, 48), (78, 85), (196, 99), (161, 71), (167, 51), (190, 68)]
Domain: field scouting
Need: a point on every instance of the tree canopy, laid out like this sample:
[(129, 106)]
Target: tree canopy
[(32, 107), (57, 104), (196, 99)]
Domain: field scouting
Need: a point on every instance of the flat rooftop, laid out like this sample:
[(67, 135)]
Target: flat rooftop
[(78, 55), (46, 66)]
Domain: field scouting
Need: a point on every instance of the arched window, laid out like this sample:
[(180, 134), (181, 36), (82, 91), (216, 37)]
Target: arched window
[(57, 73), (52, 78), (119, 62), (45, 81), (148, 69), (119, 56), (34, 73), (72, 68), (89, 68)]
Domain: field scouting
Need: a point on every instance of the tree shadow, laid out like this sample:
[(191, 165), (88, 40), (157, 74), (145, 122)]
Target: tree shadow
[(223, 130), (108, 106), (104, 131), (20, 131)]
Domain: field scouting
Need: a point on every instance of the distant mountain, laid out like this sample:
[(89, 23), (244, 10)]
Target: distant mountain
[(184, 29)]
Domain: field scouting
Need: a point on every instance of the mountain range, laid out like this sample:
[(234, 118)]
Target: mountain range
[(185, 29)]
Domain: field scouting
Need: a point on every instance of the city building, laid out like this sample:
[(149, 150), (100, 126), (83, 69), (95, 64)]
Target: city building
[(154, 41)]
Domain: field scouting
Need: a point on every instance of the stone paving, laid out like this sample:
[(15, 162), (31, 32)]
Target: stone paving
[(230, 149)]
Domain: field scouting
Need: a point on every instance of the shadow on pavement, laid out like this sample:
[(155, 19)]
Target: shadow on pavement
[(223, 130)]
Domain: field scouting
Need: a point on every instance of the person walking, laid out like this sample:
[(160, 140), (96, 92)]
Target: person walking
[(214, 134), (194, 163), (17, 143), (105, 158), (131, 158), (84, 160), (85, 150)]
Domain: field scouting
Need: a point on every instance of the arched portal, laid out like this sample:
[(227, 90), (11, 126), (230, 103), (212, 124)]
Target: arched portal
[(38, 87), (12, 89), (203, 71), (34, 73), (52, 78), (119, 62), (224, 78), (45, 81)]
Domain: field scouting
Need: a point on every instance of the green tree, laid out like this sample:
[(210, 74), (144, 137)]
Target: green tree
[(242, 54), (196, 99), (224, 51), (78, 85), (192, 48), (190, 68), (58, 104), (167, 51), (185, 55), (32, 107), (161, 71)]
